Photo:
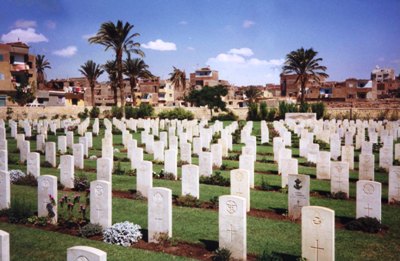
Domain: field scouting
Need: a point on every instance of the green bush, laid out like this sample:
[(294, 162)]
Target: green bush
[(221, 254), (81, 183), (216, 179), (188, 201), (145, 110), (90, 230), (20, 210), (252, 113), (94, 112), (27, 180), (263, 110), (230, 116), (131, 112), (84, 114), (365, 224), (285, 107), (319, 108), (304, 107), (116, 112), (176, 113), (271, 115)]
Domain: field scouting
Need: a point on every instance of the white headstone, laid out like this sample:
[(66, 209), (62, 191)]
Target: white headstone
[(67, 171), (62, 144), (85, 253), (205, 163), (104, 169), (171, 162), (232, 223), (33, 164), (289, 167), (318, 233), (47, 187), (190, 180), (4, 246), (5, 191), (366, 167), (298, 194), (100, 203), (369, 199), (340, 177), (186, 152), (137, 157), (159, 214), (324, 165), (348, 155), (247, 162), (144, 178), (216, 150), (394, 184), (3, 160), (158, 151), (50, 155), (240, 185), (25, 149), (78, 151)]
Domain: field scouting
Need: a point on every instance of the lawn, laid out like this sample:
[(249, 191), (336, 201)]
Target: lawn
[(197, 225)]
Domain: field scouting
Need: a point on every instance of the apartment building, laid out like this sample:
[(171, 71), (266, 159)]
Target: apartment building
[(204, 77), (17, 67)]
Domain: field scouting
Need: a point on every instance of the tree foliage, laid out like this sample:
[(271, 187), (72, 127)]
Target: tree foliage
[(208, 96), (23, 95), (305, 65), (111, 68), (178, 79), (41, 64), (91, 71), (135, 69), (253, 94)]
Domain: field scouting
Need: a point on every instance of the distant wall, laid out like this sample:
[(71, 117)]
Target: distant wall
[(200, 113)]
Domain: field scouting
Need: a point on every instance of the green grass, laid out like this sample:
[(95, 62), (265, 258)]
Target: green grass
[(200, 225)]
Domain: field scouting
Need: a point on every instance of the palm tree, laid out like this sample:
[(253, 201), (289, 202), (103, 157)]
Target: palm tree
[(253, 94), (92, 71), (178, 79), (41, 64), (135, 69), (305, 65), (118, 38), (111, 69)]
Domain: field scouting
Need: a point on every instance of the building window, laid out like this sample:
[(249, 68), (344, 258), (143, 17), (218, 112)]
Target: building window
[(1, 58), (1, 76), (3, 99)]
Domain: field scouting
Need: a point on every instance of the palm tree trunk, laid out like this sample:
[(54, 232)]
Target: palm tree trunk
[(121, 80), (92, 92), (133, 86), (115, 90), (303, 90)]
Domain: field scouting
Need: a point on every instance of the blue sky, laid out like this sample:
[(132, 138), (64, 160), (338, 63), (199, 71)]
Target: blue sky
[(247, 41)]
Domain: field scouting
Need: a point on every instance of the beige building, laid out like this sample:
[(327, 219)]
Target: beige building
[(17, 67)]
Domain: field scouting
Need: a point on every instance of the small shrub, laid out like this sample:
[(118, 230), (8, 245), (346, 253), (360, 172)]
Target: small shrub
[(319, 108), (214, 201), (252, 113), (116, 112), (365, 224), (233, 157), (216, 179), (340, 195), (20, 210), (267, 256), (230, 116), (263, 110), (188, 201), (118, 170), (271, 115), (285, 107), (145, 110), (38, 221), (81, 183), (123, 234), (16, 174), (304, 107), (177, 113), (94, 112), (90, 230), (222, 254), (223, 166), (84, 114), (163, 175), (27, 180), (46, 164), (131, 112)]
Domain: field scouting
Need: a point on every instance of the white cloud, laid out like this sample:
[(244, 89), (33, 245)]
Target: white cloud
[(183, 22), (160, 45), (67, 51), (248, 23), (21, 23), (28, 35), (237, 69), (242, 51), (50, 24), (87, 36)]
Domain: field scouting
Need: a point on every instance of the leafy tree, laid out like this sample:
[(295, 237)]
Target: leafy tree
[(305, 65), (135, 69), (208, 96), (111, 69), (41, 64), (91, 71), (118, 37), (178, 79), (23, 95), (253, 94)]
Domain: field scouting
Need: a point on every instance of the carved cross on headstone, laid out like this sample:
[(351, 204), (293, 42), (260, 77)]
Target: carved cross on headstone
[(98, 210), (317, 249), (339, 181), (368, 208), (231, 231)]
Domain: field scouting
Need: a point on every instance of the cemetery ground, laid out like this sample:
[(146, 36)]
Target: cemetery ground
[(195, 228)]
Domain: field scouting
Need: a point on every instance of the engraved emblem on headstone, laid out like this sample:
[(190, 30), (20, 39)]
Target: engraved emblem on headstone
[(82, 258), (317, 220), (368, 189), (231, 206), (298, 185), (99, 190)]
